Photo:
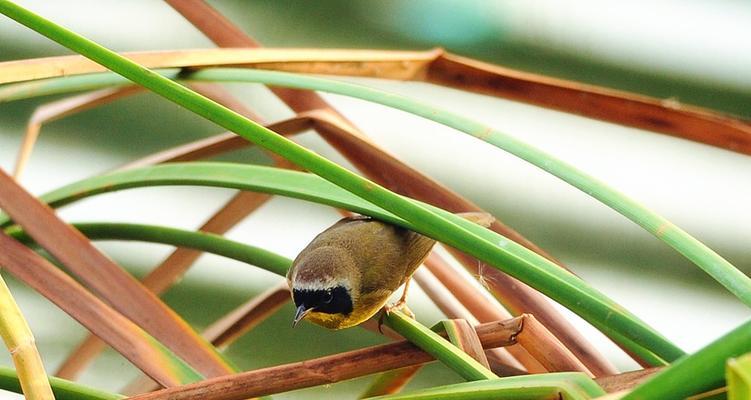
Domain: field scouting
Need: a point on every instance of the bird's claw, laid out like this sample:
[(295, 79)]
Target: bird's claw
[(398, 306)]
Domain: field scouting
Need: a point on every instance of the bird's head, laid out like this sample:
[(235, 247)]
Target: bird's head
[(324, 282)]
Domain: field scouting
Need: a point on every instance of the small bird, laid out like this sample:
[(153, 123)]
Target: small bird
[(349, 271)]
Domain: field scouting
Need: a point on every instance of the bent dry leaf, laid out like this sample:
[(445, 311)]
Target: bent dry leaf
[(132, 342), (440, 68), (107, 279)]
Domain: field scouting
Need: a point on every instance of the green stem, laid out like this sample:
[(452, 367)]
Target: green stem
[(203, 241), (514, 259), (433, 344), (63, 390), (698, 372), (561, 385)]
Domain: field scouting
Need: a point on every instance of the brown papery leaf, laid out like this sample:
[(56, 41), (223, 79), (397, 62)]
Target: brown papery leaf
[(106, 278), (435, 66), (119, 332)]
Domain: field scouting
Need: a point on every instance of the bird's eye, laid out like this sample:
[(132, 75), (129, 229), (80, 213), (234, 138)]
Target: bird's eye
[(328, 296)]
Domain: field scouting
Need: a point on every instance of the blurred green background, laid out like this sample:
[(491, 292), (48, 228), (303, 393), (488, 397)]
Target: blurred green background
[(695, 52)]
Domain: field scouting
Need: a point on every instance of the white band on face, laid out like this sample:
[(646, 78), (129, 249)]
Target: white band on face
[(320, 284)]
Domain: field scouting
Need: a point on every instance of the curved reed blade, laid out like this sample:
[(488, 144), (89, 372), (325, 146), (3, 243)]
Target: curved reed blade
[(558, 284), (562, 385), (106, 278), (162, 277), (323, 370), (20, 342), (177, 263), (61, 108), (247, 316), (128, 339)]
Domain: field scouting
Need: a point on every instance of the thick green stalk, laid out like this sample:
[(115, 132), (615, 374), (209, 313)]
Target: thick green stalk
[(207, 242), (562, 385), (424, 219), (438, 347), (698, 372), (522, 263), (63, 390)]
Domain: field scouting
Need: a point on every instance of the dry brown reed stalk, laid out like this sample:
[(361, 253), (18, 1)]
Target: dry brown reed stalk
[(623, 108), (387, 63), (219, 144), (554, 356), (94, 314), (61, 108), (391, 382), (324, 370), (229, 328), (244, 318), (106, 278), (435, 66)]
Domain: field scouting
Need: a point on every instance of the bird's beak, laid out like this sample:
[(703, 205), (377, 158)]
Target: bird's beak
[(300, 314)]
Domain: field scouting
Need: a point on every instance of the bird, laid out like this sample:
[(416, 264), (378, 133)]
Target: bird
[(349, 271)]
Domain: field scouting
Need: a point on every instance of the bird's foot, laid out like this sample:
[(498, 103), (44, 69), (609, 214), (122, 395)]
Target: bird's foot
[(400, 305)]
